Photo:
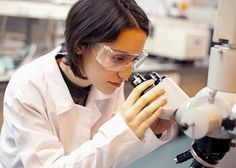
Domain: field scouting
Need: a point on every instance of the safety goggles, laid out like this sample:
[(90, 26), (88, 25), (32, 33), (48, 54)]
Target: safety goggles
[(118, 60)]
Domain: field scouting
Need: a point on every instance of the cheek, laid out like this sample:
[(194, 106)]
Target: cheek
[(95, 72), (99, 76)]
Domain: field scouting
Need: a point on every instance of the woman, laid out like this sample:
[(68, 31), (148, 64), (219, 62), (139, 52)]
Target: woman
[(67, 108)]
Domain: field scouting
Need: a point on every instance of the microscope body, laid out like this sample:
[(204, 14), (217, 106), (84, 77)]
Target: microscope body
[(210, 117), (215, 103)]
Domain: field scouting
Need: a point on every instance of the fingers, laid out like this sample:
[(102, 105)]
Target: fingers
[(148, 97), (148, 111), (140, 112), (137, 91), (161, 125), (149, 121)]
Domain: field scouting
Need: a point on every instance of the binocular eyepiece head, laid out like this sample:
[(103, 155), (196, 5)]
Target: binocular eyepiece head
[(135, 79)]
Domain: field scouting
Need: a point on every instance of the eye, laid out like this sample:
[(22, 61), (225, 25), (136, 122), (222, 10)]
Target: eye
[(119, 58)]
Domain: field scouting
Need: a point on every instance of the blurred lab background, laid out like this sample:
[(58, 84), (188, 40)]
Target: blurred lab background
[(178, 47)]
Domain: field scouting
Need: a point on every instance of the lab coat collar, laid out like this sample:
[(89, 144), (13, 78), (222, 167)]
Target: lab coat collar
[(56, 86), (61, 95)]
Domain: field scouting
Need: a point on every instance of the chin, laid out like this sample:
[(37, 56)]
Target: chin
[(107, 90)]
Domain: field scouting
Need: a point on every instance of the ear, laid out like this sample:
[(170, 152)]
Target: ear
[(80, 49)]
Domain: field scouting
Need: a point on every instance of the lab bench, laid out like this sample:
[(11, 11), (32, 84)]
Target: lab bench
[(163, 157)]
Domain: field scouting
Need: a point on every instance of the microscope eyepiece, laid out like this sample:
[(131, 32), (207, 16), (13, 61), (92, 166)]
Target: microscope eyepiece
[(154, 76), (135, 79)]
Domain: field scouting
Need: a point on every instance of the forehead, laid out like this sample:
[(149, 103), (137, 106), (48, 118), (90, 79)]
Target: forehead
[(129, 40)]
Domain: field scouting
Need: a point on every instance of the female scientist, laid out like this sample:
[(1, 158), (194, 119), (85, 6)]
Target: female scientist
[(67, 108)]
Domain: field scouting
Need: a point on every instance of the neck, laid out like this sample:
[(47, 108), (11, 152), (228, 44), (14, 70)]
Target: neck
[(70, 75)]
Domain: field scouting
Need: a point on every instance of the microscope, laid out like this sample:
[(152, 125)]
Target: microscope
[(209, 118)]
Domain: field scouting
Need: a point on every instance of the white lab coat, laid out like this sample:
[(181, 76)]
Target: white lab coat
[(43, 127)]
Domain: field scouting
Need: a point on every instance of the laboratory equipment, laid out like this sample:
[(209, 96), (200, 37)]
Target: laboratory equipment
[(178, 39), (210, 116)]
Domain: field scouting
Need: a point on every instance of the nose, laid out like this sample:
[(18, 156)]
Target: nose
[(125, 73)]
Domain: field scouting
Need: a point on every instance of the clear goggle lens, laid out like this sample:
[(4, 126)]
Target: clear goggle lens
[(118, 60)]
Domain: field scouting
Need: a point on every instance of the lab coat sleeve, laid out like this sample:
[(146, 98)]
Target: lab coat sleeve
[(35, 141), (139, 148)]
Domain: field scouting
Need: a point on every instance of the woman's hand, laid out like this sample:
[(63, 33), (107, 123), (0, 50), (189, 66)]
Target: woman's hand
[(160, 125), (141, 112)]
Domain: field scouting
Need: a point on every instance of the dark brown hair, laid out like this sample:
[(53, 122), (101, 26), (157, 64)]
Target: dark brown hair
[(92, 21)]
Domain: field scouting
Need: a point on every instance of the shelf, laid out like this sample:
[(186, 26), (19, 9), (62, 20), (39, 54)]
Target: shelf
[(33, 9)]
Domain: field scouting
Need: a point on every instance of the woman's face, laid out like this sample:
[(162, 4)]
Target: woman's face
[(107, 81)]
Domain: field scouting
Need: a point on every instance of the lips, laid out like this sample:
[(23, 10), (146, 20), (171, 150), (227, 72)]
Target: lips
[(115, 84)]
